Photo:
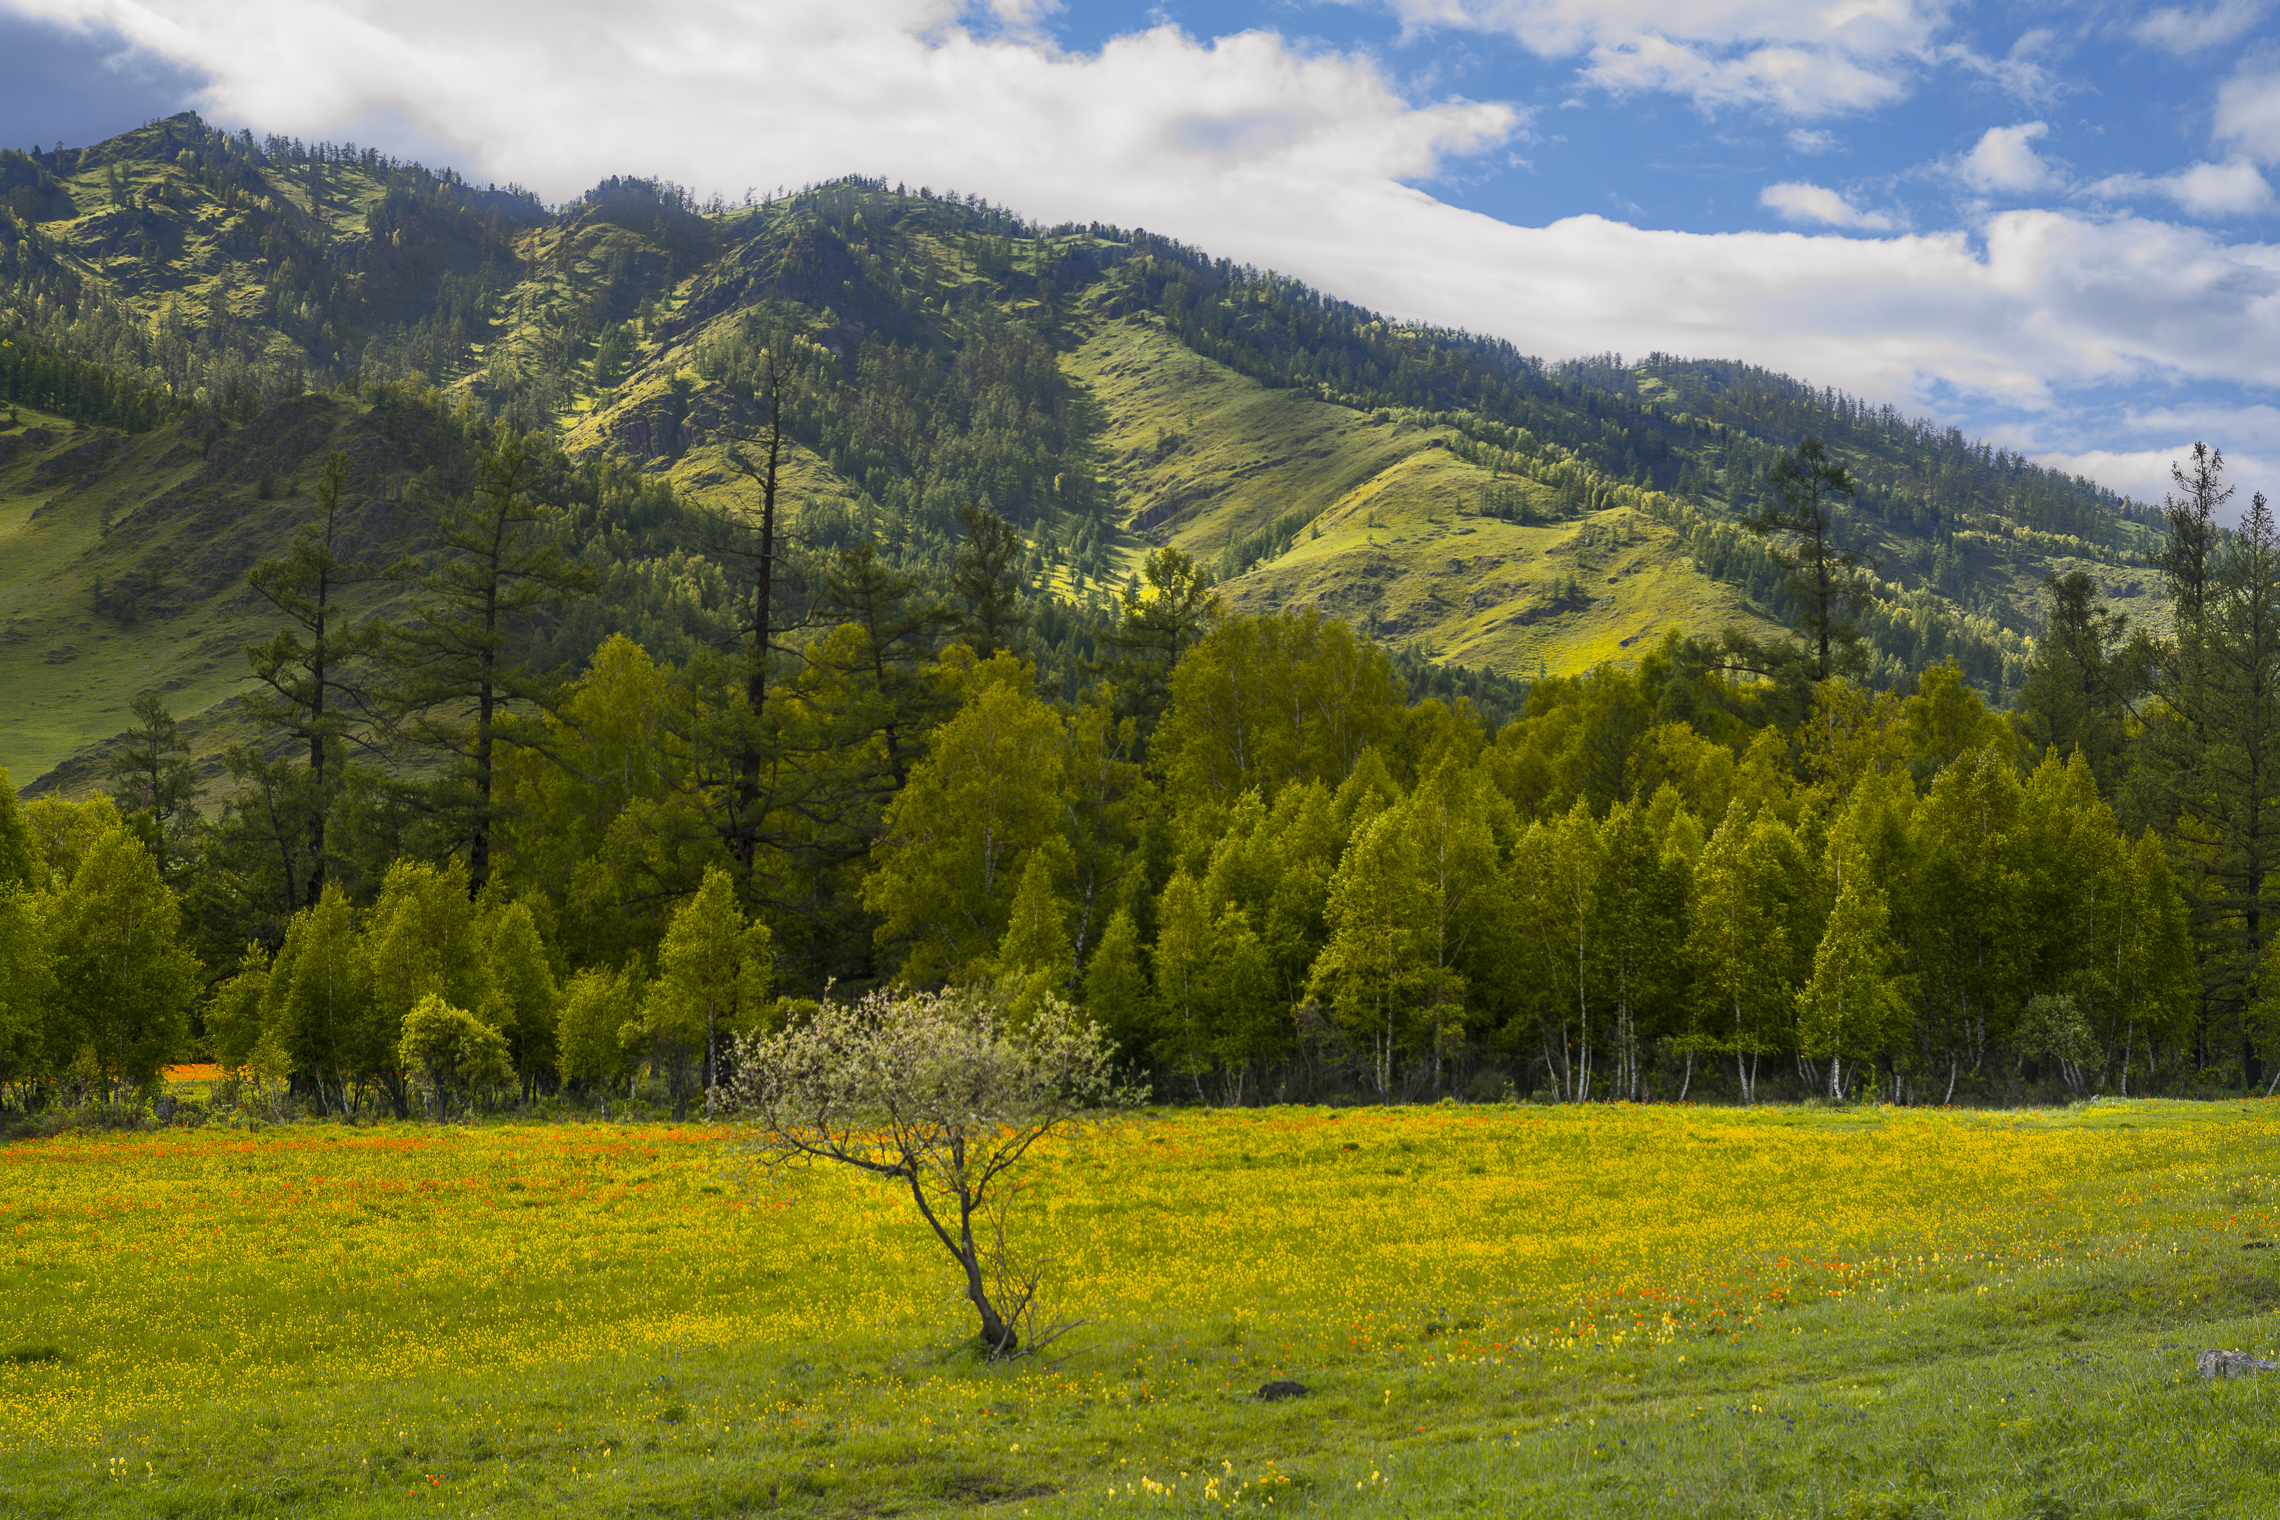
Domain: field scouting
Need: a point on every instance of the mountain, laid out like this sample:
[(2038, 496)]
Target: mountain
[(189, 320)]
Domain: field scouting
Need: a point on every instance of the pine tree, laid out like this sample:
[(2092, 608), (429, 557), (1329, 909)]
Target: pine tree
[(2086, 676), (1164, 611), (893, 632)]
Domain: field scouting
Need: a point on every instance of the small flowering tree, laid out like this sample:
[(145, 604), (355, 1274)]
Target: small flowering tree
[(947, 1093)]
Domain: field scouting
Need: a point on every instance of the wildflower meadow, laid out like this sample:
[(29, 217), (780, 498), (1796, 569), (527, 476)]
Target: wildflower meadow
[(1501, 1308)]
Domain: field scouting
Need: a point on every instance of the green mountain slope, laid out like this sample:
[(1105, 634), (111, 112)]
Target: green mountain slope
[(1104, 391)]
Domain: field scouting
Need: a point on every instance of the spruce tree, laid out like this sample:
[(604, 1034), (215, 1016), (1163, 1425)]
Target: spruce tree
[(988, 579), (1158, 624), (2227, 794), (2086, 677)]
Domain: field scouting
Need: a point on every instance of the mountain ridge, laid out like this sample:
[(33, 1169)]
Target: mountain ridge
[(1104, 390)]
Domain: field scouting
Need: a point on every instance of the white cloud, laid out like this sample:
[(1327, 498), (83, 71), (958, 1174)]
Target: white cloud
[(2004, 162), (1801, 202), (1810, 140), (1804, 58), (2227, 189), (2248, 113), (728, 92), (1796, 81), (2183, 31), (2144, 473), (2017, 72)]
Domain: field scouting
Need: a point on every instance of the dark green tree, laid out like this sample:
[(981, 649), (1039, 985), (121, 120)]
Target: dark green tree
[(894, 631), (1799, 525), (988, 580), (1160, 622), (314, 691), (752, 547), (456, 665), (2215, 750), (2086, 676), (153, 779)]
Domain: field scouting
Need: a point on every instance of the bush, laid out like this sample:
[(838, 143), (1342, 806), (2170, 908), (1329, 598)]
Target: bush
[(456, 1053)]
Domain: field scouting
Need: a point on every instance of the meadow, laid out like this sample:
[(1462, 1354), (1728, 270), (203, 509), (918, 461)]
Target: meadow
[(1869, 1313)]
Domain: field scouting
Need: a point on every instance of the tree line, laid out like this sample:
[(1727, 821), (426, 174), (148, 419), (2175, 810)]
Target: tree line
[(1242, 848)]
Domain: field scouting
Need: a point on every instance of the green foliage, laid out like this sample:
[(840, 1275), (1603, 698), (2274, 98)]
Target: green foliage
[(455, 1053), (525, 1004), (153, 780), (20, 864), (1276, 853), (714, 972), (1267, 702), (597, 1007), (124, 980), (957, 835), (322, 1007), (454, 663)]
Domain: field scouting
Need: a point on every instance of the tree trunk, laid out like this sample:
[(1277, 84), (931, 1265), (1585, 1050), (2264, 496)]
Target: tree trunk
[(317, 754)]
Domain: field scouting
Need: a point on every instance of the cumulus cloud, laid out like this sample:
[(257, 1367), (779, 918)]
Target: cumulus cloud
[(729, 92), (2189, 31), (2248, 112), (1804, 58), (1812, 140), (2227, 189), (1801, 202), (2004, 161)]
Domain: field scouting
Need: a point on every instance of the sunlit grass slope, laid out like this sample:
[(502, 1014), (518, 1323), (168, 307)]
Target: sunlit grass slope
[(122, 570), (68, 521), (1396, 539), (1503, 1310)]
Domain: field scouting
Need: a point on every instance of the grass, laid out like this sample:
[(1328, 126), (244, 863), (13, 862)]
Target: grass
[(70, 672), (1396, 543), (1502, 1310)]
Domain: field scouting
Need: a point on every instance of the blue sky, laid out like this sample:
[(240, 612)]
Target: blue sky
[(2050, 224)]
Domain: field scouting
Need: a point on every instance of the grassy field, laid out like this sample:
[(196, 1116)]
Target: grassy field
[(1500, 1310)]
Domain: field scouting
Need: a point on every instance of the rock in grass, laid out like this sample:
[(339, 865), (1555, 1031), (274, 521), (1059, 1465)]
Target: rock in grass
[(1282, 1388), (2232, 1364)]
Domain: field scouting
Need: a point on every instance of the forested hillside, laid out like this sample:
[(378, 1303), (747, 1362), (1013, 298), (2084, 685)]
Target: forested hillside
[(610, 626), (1100, 390)]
